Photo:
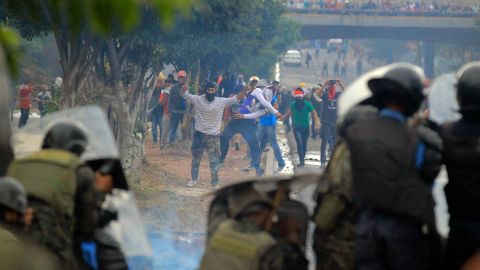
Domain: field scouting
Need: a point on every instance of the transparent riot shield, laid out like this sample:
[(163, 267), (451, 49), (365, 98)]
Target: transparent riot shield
[(91, 119), (442, 99), (358, 91), (101, 148), (128, 230)]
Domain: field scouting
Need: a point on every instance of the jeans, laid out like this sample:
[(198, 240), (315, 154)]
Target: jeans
[(24, 114), (212, 144), (301, 137), (157, 119), (383, 241), (328, 135), (269, 134), (248, 130), (175, 119)]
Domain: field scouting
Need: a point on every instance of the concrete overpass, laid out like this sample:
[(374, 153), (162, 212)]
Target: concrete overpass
[(450, 29), (368, 25)]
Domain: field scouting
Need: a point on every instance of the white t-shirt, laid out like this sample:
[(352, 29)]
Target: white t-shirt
[(208, 115)]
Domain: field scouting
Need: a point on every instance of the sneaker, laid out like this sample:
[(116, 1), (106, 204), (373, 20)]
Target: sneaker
[(323, 164), (280, 167), (301, 164), (215, 186), (191, 183), (260, 171)]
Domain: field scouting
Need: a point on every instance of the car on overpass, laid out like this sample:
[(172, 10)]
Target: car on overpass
[(292, 57)]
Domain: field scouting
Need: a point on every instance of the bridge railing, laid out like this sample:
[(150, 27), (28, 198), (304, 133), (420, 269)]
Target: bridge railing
[(375, 12)]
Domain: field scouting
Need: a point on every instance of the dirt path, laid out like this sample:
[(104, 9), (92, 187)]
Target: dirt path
[(175, 215)]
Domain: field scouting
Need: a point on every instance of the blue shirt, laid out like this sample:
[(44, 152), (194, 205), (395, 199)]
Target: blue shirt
[(269, 119), (421, 147)]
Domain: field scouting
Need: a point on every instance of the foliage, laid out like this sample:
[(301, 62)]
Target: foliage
[(10, 43)]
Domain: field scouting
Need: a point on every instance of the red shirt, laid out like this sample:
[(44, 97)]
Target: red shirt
[(25, 93)]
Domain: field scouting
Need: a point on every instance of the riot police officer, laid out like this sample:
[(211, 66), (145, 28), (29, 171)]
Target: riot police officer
[(61, 190), (242, 234), (461, 156), (394, 204)]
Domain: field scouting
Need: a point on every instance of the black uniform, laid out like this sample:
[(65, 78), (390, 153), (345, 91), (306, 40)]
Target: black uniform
[(393, 204), (462, 158)]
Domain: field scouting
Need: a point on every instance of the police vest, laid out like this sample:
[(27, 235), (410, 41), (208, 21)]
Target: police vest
[(230, 248), (462, 158), (50, 176), (383, 168)]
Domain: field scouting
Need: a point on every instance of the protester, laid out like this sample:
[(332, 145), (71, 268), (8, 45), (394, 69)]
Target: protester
[(247, 126), (300, 110), (25, 95), (239, 85), (308, 60), (208, 110), (285, 100), (42, 97), (267, 132), (317, 102), (155, 109), (164, 95), (325, 68), (176, 104), (336, 69), (330, 95)]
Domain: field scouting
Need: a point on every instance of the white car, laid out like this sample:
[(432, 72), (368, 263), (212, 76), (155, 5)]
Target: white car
[(292, 57)]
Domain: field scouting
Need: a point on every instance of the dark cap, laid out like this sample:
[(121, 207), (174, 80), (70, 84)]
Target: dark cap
[(210, 85)]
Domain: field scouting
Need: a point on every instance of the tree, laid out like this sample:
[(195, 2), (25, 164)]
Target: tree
[(99, 40)]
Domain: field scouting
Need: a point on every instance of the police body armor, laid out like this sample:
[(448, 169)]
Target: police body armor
[(230, 248), (49, 177), (461, 157), (383, 165)]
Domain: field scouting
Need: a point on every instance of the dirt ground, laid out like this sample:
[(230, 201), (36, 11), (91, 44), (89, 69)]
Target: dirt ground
[(167, 205)]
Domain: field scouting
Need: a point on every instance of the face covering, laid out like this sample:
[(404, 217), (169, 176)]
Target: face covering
[(210, 97), (331, 93), (299, 103)]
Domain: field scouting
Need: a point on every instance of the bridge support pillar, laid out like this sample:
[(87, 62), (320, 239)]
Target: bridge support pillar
[(429, 60)]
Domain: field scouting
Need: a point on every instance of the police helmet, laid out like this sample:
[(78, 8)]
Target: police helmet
[(402, 84), (12, 194), (468, 88), (66, 136), (246, 200)]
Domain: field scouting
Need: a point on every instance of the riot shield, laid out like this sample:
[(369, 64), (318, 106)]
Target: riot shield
[(442, 99), (128, 230), (91, 119), (358, 91), (101, 147), (6, 153)]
